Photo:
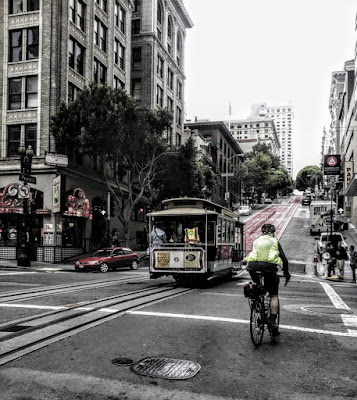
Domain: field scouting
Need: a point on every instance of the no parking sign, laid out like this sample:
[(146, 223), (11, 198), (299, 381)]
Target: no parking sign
[(332, 164)]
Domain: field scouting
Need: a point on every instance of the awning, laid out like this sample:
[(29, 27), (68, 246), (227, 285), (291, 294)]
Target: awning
[(351, 189)]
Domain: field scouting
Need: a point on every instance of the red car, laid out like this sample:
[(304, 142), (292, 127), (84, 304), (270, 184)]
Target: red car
[(109, 258)]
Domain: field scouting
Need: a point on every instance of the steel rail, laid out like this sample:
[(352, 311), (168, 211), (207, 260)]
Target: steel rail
[(42, 330)]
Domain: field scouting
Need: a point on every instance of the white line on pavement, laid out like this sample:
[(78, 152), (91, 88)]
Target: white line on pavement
[(348, 320), (18, 273), (350, 333)]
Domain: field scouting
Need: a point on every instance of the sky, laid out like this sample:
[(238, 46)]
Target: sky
[(277, 52)]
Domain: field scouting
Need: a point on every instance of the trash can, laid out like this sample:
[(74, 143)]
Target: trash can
[(345, 226)]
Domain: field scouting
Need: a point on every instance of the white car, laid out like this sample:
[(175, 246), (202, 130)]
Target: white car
[(333, 238), (245, 210)]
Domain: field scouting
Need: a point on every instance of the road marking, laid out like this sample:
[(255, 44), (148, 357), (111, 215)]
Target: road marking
[(350, 333), (17, 273), (348, 320)]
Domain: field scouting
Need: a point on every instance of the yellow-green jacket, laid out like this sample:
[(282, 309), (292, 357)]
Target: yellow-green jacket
[(265, 248)]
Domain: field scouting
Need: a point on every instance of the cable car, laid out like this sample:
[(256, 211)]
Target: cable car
[(203, 240)]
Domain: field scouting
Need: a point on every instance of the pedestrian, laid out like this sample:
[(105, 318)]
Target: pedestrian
[(353, 262), (331, 264), (341, 256), (326, 259), (115, 237), (158, 235)]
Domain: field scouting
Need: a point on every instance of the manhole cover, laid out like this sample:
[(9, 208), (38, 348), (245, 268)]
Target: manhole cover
[(326, 310), (122, 361), (167, 368)]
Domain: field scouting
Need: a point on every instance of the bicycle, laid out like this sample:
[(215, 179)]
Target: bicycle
[(259, 302)]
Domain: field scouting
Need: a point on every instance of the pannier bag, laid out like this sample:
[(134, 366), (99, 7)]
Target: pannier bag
[(253, 290)]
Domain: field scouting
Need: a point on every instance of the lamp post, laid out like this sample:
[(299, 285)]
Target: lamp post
[(226, 197), (24, 191)]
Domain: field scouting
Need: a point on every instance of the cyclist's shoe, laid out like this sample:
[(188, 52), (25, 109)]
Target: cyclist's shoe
[(273, 329)]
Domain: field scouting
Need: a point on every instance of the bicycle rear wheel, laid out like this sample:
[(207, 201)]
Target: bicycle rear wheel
[(257, 322)]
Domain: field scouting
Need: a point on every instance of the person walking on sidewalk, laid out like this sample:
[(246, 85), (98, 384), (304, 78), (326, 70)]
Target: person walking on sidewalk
[(353, 262), (341, 256)]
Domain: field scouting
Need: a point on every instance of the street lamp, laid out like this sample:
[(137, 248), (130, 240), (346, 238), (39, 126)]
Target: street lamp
[(25, 162)]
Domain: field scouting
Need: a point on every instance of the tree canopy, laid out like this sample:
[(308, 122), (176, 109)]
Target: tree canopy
[(123, 141), (309, 176)]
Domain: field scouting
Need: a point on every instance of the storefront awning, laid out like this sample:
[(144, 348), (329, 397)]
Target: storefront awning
[(351, 189)]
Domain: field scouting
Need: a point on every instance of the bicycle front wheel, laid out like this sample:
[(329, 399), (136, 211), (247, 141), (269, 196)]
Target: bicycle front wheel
[(257, 322)]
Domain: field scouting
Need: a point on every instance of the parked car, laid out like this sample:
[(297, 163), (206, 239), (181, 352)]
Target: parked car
[(306, 201), (109, 258), (333, 237), (267, 201), (245, 210)]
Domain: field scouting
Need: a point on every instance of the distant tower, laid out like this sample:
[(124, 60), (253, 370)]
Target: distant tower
[(283, 119)]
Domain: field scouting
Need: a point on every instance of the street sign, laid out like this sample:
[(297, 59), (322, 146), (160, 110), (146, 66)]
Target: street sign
[(24, 191), (332, 164), (27, 178)]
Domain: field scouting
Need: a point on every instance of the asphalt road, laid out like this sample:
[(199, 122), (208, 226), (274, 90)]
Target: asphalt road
[(314, 357)]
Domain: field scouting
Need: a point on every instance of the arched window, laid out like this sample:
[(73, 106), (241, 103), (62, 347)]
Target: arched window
[(159, 20)]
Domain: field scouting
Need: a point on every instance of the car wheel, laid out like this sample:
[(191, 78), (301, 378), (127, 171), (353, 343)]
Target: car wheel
[(134, 264), (104, 267)]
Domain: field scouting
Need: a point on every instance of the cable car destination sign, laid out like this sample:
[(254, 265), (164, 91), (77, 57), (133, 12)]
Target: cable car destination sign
[(332, 163)]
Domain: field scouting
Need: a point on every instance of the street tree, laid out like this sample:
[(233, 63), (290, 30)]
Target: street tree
[(309, 176), (182, 173), (122, 140), (261, 172)]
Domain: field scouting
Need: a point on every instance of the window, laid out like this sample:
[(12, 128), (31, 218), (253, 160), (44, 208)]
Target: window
[(76, 55), (31, 92), (178, 50), (160, 67), (15, 91), (179, 90), (136, 52), (100, 34), (170, 78), (178, 116), (19, 6), (136, 88), (102, 4), (159, 20), (135, 26), (159, 96), (170, 103), (137, 5), (73, 91), (27, 85), (169, 35), (117, 83), (15, 133), (119, 54), (13, 140), (99, 72), (17, 38), (119, 17), (77, 13)]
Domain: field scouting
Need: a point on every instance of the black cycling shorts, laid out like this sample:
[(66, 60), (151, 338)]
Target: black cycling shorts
[(271, 279)]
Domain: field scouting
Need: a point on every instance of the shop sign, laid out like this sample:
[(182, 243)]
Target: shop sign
[(77, 205), (56, 194), (332, 164), (348, 172), (10, 200), (43, 211), (57, 160)]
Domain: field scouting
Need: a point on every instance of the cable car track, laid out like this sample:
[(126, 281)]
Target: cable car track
[(31, 293), (21, 337), (277, 214)]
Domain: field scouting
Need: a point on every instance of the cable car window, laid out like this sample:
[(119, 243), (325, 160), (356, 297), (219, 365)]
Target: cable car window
[(219, 231), (224, 227)]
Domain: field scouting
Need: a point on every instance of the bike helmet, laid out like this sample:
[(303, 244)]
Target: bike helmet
[(268, 229)]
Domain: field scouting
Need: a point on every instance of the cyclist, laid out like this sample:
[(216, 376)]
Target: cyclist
[(266, 255)]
